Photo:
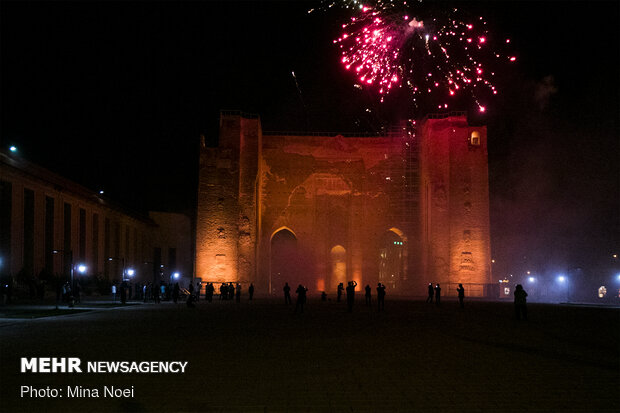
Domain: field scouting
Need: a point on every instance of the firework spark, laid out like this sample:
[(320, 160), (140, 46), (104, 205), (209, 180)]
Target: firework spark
[(434, 53)]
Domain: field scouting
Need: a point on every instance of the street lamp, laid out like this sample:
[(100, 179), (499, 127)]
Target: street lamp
[(562, 279), (81, 269)]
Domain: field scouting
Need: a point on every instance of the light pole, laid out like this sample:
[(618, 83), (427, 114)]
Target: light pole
[(564, 280), (123, 263), (68, 255)]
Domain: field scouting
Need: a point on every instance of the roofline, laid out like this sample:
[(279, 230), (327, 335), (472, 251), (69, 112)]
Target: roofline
[(60, 183)]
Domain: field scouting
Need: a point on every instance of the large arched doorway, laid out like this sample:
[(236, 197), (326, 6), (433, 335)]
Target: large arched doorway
[(393, 259), (284, 255), (288, 262), (338, 266)]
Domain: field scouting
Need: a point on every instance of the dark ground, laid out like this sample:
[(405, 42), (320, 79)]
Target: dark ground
[(259, 356)]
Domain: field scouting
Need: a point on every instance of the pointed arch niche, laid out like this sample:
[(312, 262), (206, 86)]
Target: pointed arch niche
[(283, 256), (393, 259), (338, 256)]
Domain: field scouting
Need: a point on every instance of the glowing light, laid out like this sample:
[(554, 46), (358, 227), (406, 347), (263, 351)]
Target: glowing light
[(13, 149), (176, 275), (82, 268), (531, 279), (130, 272), (561, 278)]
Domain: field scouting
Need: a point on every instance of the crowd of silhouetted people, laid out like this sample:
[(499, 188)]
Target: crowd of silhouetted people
[(229, 291), (232, 291)]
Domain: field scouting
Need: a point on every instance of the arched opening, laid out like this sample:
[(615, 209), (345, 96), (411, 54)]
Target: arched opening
[(338, 266), (284, 259), (393, 259), (474, 138)]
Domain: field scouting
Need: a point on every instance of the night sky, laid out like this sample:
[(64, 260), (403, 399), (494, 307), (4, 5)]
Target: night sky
[(115, 95)]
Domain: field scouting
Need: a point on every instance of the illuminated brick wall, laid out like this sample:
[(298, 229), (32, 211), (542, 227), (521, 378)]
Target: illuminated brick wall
[(455, 204), (337, 197)]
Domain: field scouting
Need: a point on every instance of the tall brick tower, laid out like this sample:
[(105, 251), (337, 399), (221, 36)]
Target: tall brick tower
[(226, 214), (455, 203)]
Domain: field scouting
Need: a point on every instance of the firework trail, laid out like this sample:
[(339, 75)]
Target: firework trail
[(301, 98), (437, 54)]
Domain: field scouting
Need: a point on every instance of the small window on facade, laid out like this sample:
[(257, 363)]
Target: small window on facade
[(474, 138)]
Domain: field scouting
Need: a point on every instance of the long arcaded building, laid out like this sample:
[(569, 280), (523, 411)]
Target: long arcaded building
[(52, 224), (404, 209)]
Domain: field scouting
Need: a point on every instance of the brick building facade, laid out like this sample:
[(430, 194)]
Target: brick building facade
[(404, 209), (49, 223)]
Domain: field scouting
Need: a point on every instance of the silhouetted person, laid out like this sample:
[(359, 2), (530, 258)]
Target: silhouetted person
[(198, 289), (190, 288), (238, 293), (287, 293), (323, 296), (381, 296), (340, 289), (251, 290), (301, 298), (437, 294), (351, 294), (368, 290), (157, 292), (209, 290), (461, 292), (520, 302), (231, 291), (175, 292), (190, 301), (431, 293)]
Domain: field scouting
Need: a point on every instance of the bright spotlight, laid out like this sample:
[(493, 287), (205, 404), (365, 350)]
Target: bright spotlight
[(130, 272), (13, 149), (561, 278), (531, 279), (82, 268), (176, 275)]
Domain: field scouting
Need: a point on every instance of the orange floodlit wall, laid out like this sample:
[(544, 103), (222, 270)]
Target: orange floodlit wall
[(320, 210)]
